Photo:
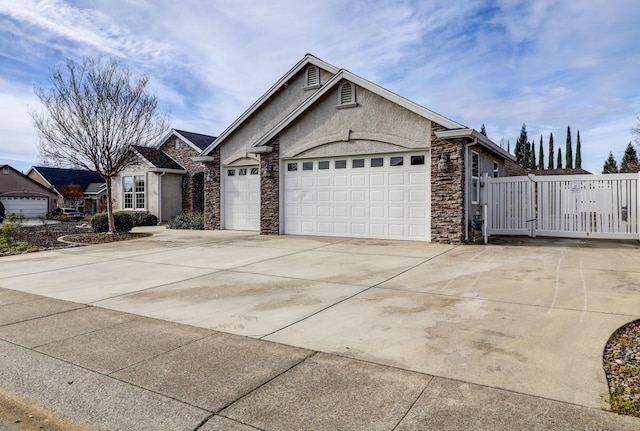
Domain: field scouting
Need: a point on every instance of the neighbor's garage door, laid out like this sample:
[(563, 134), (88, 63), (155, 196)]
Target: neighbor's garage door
[(365, 197), (242, 199), (31, 207)]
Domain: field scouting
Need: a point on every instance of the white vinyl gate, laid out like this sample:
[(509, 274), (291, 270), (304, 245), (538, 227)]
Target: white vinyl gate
[(576, 206)]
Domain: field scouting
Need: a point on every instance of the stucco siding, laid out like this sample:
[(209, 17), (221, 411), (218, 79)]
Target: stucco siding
[(171, 191), (375, 125), (282, 103)]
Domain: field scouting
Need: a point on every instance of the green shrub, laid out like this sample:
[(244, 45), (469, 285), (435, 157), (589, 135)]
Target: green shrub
[(100, 222), (16, 218), (143, 219), (193, 221)]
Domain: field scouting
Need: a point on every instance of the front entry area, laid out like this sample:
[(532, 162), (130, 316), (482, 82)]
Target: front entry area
[(376, 196), (242, 198)]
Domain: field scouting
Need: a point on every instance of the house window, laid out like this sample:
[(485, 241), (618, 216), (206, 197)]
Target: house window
[(346, 95), (134, 192), (496, 170), (358, 163), (292, 167), (312, 78), (475, 177), (5, 170), (323, 165), (231, 172), (242, 171), (376, 162), (397, 161), (177, 144), (254, 171), (307, 166), (341, 164)]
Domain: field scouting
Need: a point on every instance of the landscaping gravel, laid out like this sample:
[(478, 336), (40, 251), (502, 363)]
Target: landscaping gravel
[(622, 366)]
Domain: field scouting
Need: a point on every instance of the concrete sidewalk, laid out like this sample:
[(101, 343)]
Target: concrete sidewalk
[(316, 333)]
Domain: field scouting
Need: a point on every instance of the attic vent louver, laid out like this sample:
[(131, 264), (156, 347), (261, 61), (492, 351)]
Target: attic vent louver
[(347, 94), (312, 78)]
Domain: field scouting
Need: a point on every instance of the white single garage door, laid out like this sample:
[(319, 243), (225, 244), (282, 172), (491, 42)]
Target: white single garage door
[(378, 196), (242, 198), (31, 207)]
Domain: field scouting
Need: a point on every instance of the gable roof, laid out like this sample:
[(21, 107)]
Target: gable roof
[(158, 159), (382, 92), (61, 177), (197, 139), (306, 60), (17, 172)]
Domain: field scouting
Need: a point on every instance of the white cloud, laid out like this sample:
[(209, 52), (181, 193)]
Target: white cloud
[(546, 63)]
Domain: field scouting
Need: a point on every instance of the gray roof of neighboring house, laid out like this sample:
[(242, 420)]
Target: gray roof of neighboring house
[(158, 158), (199, 140), (94, 188)]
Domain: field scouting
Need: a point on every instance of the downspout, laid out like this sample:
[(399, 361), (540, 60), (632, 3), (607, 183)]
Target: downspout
[(466, 188), (160, 175)]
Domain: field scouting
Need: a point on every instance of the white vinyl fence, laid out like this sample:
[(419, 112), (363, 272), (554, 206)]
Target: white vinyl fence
[(576, 206)]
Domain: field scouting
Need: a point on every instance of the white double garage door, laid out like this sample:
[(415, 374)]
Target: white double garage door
[(377, 196), (30, 207)]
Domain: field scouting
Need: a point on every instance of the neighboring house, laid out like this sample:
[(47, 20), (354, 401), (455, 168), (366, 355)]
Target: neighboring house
[(326, 152), (515, 170), (90, 188), (20, 193), (165, 182)]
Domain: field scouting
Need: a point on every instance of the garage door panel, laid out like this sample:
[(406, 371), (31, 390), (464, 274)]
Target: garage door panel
[(242, 199), (31, 207), (359, 197)]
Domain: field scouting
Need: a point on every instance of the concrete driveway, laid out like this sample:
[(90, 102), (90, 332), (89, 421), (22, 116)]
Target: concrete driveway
[(529, 316)]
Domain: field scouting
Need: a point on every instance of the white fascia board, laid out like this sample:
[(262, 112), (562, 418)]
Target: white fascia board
[(474, 134), (307, 59), (405, 103), (345, 74), (33, 168), (143, 158), (203, 159), (191, 144), (168, 171)]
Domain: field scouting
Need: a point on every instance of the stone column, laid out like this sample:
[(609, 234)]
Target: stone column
[(212, 178), (270, 189), (447, 189)]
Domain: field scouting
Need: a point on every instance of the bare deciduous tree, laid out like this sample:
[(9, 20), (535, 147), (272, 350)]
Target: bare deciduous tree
[(93, 112)]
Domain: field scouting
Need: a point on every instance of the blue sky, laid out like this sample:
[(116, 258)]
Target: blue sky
[(546, 63)]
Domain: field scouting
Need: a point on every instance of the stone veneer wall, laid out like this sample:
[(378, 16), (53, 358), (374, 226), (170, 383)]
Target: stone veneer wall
[(212, 192), (447, 189), (190, 201), (270, 190)]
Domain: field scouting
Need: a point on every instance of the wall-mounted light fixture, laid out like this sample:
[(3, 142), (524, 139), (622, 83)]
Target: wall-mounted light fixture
[(209, 176), (266, 172), (443, 162)]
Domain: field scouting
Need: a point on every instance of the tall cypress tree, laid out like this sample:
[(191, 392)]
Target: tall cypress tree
[(533, 164), (551, 151), (559, 164), (521, 147), (578, 153), (526, 158), (568, 150), (541, 156)]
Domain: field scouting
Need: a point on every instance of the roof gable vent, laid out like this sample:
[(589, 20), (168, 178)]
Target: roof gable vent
[(312, 78), (347, 95)]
